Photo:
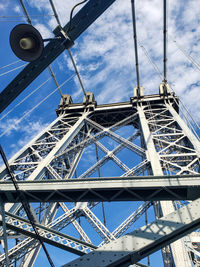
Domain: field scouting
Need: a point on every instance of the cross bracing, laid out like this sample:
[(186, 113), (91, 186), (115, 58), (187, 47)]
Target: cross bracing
[(159, 144), (49, 235), (28, 244), (46, 170), (134, 246)]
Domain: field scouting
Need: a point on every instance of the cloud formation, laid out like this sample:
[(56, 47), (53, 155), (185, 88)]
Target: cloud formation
[(104, 53)]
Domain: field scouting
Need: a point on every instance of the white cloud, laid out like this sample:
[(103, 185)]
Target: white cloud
[(9, 125), (105, 51), (104, 54), (27, 130), (45, 31), (3, 6), (17, 9), (30, 128)]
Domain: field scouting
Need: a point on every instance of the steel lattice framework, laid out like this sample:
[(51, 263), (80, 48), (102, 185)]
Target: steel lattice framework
[(164, 166), (141, 150)]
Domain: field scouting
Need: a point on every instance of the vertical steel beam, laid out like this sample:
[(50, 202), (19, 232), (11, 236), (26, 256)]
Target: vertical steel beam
[(4, 233), (177, 248)]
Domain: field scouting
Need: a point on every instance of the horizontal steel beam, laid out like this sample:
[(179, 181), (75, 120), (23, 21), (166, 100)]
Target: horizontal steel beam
[(142, 242), (142, 188)]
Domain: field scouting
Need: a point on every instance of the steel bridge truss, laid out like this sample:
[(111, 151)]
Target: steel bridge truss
[(147, 142)]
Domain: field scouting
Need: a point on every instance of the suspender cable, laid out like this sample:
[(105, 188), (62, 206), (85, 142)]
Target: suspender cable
[(37, 105), (150, 60), (135, 43), (54, 78), (165, 39), (25, 205), (25, 12), (184, 107), (189, 57), (30, 22), (70, 54), (77, 73), (54, 12)]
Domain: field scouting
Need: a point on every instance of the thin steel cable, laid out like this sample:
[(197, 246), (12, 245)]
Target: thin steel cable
[(23, 16), (184, 107), (150, 60), (135, 43), (25, 12), (185, 116), (55, 12), (77, 73), (165, 40), (31, 93), (2, 74), (70, 54), (54, 78), (19, 21), (194, 63), (31, 110), (190, 58), (49, 67), (3, 67), (189, 113)]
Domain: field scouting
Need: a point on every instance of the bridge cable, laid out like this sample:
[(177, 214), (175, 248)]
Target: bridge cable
[(135, 43), (150, 60), (77, 73), (190, 58), (3, 67), (49, 67), (4, 73), (184, 107), (22, 16), (55, 13), (31, 93), (165, 40), (25, 12), (195, 64), (26, 206), (70, 54), (19, 21), (37, 105)]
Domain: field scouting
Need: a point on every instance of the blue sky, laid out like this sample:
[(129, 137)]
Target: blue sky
[(105, 58)]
